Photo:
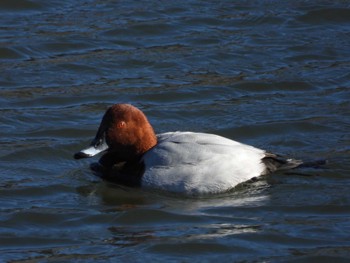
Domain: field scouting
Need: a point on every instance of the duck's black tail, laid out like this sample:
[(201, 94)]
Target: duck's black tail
[(275, 162)]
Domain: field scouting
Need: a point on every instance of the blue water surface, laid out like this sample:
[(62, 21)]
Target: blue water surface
[(273, 74)]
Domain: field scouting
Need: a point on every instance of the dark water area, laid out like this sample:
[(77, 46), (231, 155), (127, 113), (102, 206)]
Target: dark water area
[(273, 74)]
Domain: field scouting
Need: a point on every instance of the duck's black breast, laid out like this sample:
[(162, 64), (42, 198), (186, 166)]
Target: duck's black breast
[(124, 173)]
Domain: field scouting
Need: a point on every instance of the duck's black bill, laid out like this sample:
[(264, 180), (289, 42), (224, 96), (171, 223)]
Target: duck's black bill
[(97, 146), (81, 155)]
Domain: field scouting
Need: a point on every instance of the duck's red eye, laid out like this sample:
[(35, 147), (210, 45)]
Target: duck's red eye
[(121, 124)]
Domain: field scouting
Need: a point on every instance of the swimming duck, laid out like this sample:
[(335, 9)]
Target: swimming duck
[(180, 162)]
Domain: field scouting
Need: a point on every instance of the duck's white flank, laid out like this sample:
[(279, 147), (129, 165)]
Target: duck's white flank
[(200, 163)]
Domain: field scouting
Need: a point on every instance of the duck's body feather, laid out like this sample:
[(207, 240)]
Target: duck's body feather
[(200, 163)]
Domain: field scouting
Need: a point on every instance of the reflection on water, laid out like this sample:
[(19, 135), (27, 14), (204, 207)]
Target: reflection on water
[(267, 73)]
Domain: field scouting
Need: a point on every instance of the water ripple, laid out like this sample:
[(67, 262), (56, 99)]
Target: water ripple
[(268, 73)]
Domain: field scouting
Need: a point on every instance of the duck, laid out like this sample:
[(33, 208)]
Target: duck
[(181, 162)]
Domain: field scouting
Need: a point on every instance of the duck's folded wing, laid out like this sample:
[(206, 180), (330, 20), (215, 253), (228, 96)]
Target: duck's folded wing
[(199, 163)]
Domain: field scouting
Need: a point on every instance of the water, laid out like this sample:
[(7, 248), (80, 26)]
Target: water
[(274, 74)]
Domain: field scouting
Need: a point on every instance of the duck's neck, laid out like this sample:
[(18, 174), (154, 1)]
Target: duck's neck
[(131, 152), (147, 142)]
